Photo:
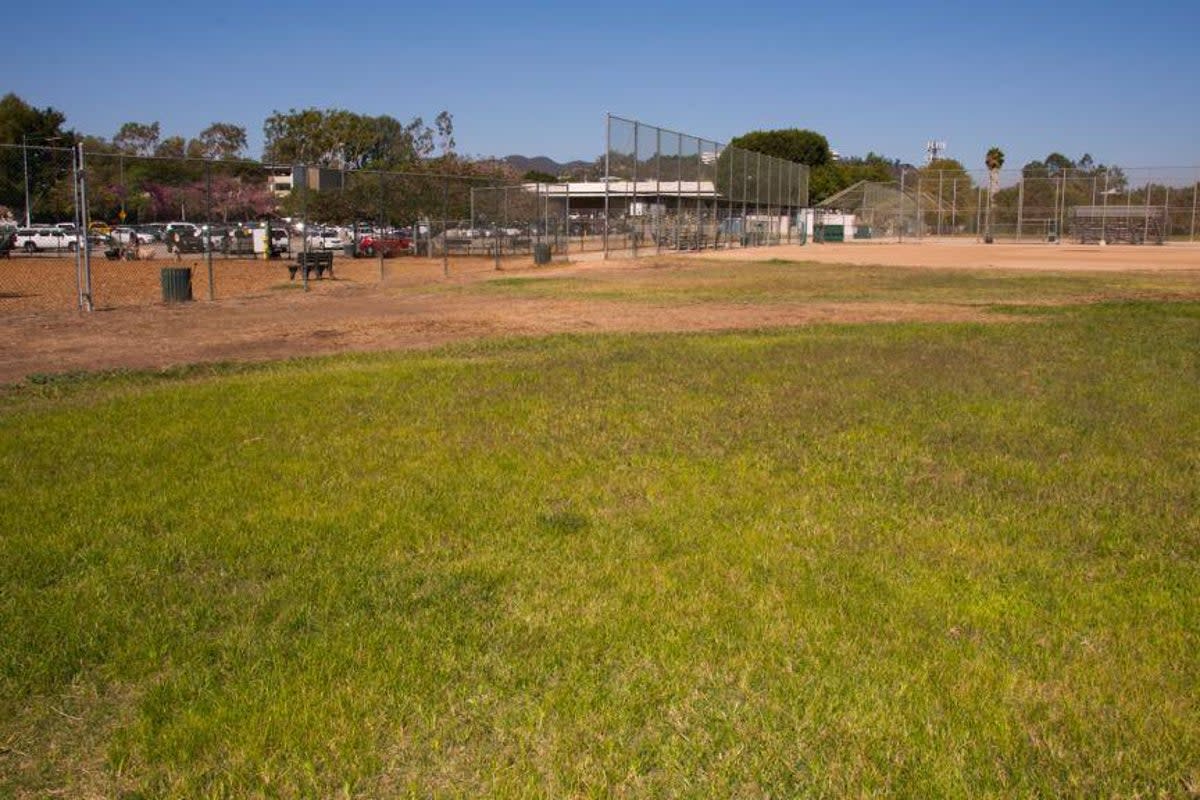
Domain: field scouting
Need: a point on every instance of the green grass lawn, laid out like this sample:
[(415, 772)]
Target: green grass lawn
[(916, 560)]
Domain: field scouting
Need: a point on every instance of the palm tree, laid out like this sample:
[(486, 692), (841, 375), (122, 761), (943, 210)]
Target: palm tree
[(994, 161)]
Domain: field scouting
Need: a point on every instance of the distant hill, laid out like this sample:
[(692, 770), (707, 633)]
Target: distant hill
[(523, 164)]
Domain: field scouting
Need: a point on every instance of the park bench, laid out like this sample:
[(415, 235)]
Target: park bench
[(308, 263)]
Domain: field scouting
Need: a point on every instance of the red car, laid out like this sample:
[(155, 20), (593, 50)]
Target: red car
[(374, 244)]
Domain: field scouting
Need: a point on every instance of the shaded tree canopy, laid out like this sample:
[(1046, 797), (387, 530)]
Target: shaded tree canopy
[(831, 178), (18, 118), (537, 176), (40, 128), (791, 144), (1056, 164)]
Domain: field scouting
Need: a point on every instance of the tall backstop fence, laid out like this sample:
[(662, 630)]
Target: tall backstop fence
[(665, 190), (1114, 205)]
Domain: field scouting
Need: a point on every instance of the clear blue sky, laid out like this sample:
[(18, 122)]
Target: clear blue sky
[(1115, 79)]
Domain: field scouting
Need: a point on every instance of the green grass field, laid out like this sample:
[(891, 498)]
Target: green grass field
[(912, 559)]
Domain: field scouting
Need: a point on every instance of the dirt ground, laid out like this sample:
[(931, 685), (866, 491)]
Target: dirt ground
[(259, 314), (948, 254)]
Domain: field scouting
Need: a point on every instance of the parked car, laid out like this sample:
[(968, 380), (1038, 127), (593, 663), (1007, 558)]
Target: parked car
[(152, 229), (281, 241), (178, 232), (324, 239), (128, 235), (33, 240), (183, 237), (387, 245)]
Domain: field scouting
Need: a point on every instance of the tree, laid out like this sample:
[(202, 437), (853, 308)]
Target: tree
[(537, 176), (791, 144), (219, 140), (345, 140), (1057, 162), (831, 178), (994, 161), (137, 139), (171, 147), (21, 123), (445, 130)]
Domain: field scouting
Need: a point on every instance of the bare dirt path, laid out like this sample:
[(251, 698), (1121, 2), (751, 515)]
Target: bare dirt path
[(944, 254)]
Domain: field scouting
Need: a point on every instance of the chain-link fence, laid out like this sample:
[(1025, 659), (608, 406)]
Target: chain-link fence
[(670, 191), (84, 229), (527, 219), (99, 229), (1109, 204), (43, 236)]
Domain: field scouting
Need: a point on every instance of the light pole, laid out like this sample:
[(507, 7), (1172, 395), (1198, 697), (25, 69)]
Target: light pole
[(25, 163)]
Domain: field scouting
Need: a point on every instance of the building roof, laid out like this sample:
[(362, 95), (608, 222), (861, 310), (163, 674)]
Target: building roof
[(630, 189)]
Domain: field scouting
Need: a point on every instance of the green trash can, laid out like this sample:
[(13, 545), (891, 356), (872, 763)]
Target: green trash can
[(176, 284), (541, 254)]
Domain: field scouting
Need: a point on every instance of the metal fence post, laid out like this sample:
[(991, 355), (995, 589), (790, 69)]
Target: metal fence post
[(954, 206), (770, 213), (88, 304), (1167, 209), (900, 224), (304, 222), (790, 197), (78, 218), (634, 207), (1146, 218), (979, 214), (1060, 207), (212, 292), (658, 200), (1020, 206), (607, 151), (382, 218), (1195, 189), (679, 191), (496, 231), (745, 197), (941, 181), (920, 217), (758, 184), (445, 227), (723, 150), (1104, 216)]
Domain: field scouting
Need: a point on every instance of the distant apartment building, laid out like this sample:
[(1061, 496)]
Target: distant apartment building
[(282, 180)]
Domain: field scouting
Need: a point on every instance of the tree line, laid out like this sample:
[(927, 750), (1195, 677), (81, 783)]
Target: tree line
[(139, 174)]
